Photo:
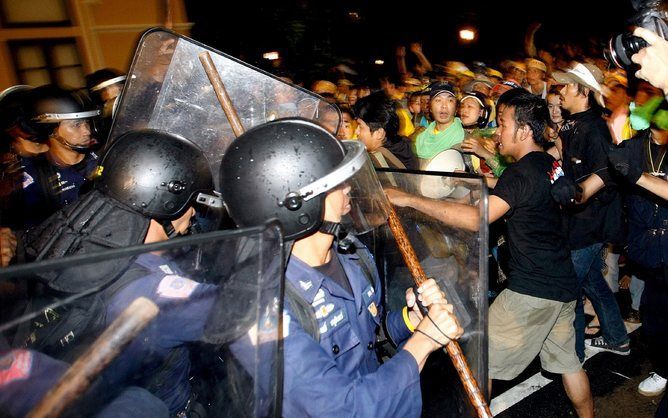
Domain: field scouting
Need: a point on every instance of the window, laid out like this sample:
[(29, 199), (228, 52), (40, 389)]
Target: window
[(24, 13), (44, 61)]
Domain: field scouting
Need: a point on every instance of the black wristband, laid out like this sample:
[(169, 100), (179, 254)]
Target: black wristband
[(437, 327), (429, 336)]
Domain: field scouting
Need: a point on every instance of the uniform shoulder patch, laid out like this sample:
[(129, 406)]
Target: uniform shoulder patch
[(176, 287), (27, 180), (165, 269), (15, 365)]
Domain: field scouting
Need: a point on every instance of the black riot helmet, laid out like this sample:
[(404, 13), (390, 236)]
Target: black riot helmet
[(13, 114), (283, 169), (155, 173), (48, 106), (103, 79)]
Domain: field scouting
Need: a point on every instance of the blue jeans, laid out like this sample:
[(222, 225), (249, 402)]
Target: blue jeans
[(636, 288), (588, 264)]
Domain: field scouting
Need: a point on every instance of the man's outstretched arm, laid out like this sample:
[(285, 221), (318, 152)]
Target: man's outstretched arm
[(450, 213)]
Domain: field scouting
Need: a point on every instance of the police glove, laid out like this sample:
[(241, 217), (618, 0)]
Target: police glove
[(565, 191), (620, 160)]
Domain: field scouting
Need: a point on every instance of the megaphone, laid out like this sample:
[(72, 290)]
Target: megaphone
[(438, 187)]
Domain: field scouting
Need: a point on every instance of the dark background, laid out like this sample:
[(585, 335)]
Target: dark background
[(313, 35)]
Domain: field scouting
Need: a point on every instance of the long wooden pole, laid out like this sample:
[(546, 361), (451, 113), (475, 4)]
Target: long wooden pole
[(453, 349), (85, 369), (221, 93)]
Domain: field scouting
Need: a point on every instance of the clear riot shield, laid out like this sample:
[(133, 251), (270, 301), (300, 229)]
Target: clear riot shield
[(168, 89), (457, 259), (215, 343)]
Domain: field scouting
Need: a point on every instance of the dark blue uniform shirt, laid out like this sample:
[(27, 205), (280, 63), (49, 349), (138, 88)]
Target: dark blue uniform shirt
[(26, 376), (47, 188), (184, 307), (340, 376)]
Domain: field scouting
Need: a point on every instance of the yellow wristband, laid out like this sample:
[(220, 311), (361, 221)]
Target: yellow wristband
[(407, 320)]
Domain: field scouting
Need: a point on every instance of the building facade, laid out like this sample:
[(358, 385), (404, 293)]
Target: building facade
[(59, 41)]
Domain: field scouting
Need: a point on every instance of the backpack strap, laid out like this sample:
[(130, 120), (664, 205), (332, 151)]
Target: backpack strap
[(385, 347), (302, 311), (366, 264)]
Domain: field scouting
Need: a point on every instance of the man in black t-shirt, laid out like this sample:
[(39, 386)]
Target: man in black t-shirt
[(535, 314)]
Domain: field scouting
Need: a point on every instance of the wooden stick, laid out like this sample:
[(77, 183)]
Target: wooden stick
[(221, 93), (98, 356), (453, 349)]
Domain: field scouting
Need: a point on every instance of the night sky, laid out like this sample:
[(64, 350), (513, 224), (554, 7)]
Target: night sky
[(312, 35)]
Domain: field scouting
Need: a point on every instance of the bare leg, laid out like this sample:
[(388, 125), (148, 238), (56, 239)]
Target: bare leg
[(577, 389)]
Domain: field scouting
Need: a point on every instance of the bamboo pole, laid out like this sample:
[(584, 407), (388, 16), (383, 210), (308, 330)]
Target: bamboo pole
[(453, 349), (85, 369), (221, 93)]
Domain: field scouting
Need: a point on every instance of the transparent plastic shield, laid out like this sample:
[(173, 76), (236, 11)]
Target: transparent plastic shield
[(215, 343), (457, 259), (168, 89), (368, 203)]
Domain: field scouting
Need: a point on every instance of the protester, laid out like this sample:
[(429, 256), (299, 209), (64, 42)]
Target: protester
[(596, 220), (378, 129), (557, 114), (647, 216), (535, 77), (535, 313), (446, 130)]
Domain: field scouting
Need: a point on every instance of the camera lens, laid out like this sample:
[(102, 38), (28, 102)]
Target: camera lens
[(622, 47)]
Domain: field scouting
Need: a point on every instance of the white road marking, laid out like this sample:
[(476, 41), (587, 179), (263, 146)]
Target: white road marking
[(536, 382)]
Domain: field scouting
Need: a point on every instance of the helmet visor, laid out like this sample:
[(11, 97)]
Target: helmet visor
[(369, 207), (368, 203)]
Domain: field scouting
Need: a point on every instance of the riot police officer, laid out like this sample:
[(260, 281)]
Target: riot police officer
[(104, 87), (297, 172), (145, 194), (17, 147), (60, 119)]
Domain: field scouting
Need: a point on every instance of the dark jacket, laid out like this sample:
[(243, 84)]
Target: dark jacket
[(586, 141)]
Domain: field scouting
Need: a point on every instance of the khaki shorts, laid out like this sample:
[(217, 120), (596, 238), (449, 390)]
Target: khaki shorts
[(522, 326)]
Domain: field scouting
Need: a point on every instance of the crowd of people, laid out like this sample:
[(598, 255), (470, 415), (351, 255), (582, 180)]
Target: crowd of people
[(597, 121), (574, 156)]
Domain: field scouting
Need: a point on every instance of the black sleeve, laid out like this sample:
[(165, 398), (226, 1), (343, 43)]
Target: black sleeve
[(637, 155), (511, 187), (597, 153)]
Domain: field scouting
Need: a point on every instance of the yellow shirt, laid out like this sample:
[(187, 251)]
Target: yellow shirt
[(406, 127)]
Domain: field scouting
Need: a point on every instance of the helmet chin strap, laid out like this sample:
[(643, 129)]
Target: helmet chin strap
[(169, 229), (76, 148), (344, 240)]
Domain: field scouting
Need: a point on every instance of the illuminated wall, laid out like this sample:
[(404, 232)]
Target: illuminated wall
[(45, 41)]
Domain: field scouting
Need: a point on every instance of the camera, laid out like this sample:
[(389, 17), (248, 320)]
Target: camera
[(651, 15)]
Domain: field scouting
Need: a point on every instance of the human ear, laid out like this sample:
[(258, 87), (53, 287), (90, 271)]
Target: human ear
[(525, 132), (379, 134)]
